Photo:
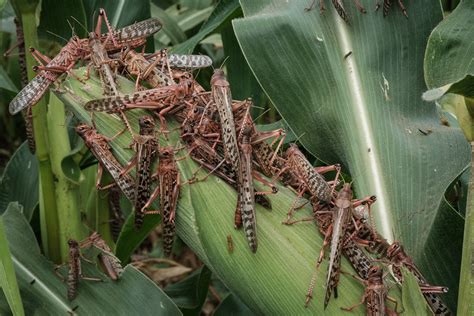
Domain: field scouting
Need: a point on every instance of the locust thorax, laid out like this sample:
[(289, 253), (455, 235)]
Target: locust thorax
[(375, 275), (344, 197), (219, 78)]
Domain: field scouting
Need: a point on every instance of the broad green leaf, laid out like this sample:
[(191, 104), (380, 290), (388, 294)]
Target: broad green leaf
[(120, 13), (223, 10), (5, 82), (196, 4), (272, 281), (190, 293), (354, 92), (448, 57), (20, 181), (73, 20), (243, 82), (8, 281), (231, 305), (412, 297), (171, 31), (464, 87), (45, 294), (290, 137)]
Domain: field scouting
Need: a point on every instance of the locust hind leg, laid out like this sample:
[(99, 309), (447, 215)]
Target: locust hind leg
[(402, 7)]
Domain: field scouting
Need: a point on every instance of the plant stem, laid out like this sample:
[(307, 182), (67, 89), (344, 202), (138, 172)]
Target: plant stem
[(48, 208), (69, 218), (466, 281)]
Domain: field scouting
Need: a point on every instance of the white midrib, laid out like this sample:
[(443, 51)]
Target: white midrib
[(44, 288), (365, 128), (118, 12)]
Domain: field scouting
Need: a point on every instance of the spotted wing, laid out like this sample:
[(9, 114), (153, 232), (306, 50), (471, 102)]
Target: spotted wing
[(118, 103), (189, 61), (29, 95), (138, 30)]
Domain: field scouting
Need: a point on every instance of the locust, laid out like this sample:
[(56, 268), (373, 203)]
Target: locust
[(387, 4), (63, 62), (342, 216), (75, 271), (339, 6), (101, 62), (116, 216), (398, 257), (221, 94), (137, 65), (308, 177), (146, 147), (168, 190), (356, 256), (245, 211), (179, 60), (246, 204), (98, 145), (110, 263), (162, 99), (207, 156), (76, 49), (375, 294)]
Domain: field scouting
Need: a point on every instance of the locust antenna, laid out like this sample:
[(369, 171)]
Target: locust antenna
[(57, 35), (78, 22), (223, 63)]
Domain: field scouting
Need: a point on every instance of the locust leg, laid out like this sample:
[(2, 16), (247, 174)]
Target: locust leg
[(306, 219), (326, 242), (174, 199), (59, 275), (394, 301), (359, 6), (86, 278), (312, 4), (426, 288), (309, 294), (103, 15), (293, 205), (350, 309), (153, 197), (129, 166), (402, 7), (40, 58), (262, 180)]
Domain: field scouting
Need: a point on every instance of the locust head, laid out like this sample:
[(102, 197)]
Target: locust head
[(147, 125)]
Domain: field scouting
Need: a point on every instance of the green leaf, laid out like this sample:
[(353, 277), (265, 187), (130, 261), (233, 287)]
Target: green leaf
[(120, 14), (364, 110), (196, 4), (223, 10), (413, 301), (205, 219), (44, 293), (8, 281), (272, 281), (290, 137), (171, 31), (73, 19), (231, 305), (190, 293), (5, 82), (464, 87), (20, 181), (243, 82), (448, 57)]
